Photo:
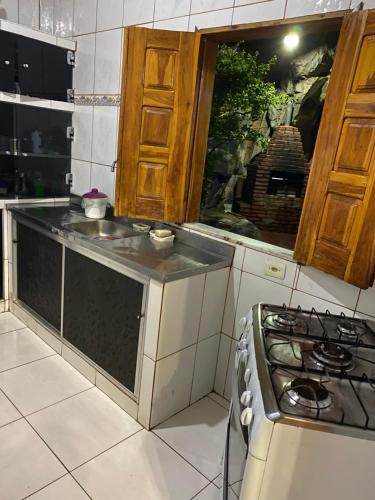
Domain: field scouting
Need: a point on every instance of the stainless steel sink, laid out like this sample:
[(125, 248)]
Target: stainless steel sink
[(102, 229)]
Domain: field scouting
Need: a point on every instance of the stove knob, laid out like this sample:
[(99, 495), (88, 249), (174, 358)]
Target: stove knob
[(243, 355), (242, 344), (246, 417), (242, 322), (247, 375), (246, 398)]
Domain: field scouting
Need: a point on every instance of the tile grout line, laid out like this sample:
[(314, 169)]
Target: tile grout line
[(30, 362)]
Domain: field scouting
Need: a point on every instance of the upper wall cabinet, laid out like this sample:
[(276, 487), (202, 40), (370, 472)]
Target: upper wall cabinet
[(159, 87), (337, 229), (34, 68)]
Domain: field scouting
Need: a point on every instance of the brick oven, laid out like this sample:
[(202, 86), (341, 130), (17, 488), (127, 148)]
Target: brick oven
[(276, 183)]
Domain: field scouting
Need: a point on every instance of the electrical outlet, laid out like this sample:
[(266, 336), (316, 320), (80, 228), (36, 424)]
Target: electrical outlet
[(274, 269)]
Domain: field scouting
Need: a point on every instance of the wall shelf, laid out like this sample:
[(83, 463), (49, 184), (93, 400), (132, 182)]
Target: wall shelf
[(34, 155), (34, 101)]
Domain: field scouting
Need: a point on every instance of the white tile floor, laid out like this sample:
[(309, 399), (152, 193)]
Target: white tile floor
[(62, 438)]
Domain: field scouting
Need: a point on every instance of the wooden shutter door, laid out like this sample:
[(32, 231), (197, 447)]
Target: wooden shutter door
[(158, 92), (337, 228)]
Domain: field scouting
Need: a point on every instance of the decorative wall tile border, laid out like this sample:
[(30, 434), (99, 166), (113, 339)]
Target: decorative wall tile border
[(97, 100)]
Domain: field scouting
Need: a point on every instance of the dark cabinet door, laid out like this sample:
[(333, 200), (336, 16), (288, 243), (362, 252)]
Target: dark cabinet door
[(30, 66), (39, 273), (7, 62), (102, 310), (57, 73)]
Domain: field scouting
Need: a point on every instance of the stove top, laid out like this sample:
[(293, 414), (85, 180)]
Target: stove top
[(322, 366)]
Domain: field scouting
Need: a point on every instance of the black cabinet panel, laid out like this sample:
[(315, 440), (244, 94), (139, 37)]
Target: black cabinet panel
[(102, 311), (7, 61), (39, 273), (1, 257), (30, 66), (57, 73)]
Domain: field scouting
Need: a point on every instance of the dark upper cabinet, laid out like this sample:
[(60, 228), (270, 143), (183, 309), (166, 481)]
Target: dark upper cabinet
[(39, 274), (7, 61), (30, 67), (102, 314), (57, 73), (34, 68)]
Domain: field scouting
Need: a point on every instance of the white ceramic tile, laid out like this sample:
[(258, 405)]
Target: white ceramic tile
[(219, 400), (254, 289), (84, 16), (366, 303), (222, 364), (80, 427), (205, 368), (65, 488), (29, 13), (9, 10), (215, 292), (231, 301), (254, 263), (46, 16), (172, 384), (198, 434), (175, 24), (228, 380), (104, 136), (8, 413), (83, 74), (49, 338), (182, 304), (63, 18), (296, 8), (108, 62), (20, 347), (79, 363), (145, 395), (138, 12), (368, 4), (239, 255), (103, 179), (82, 123), (26, 464), (264, 11), (81, 171), (118, 396), (367, 317), (36, 385), (155, 298), (219, 481), (309, 301), (110, 14), (327, 287), (247, 2), (165, 9), (207, 5), (210, 492), (140, 468), (211, 19), (8, 323)]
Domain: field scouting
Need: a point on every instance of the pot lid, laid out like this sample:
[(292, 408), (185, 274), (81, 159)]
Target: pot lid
[(94, 194)]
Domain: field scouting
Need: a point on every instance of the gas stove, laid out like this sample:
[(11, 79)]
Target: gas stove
[(321, 366)]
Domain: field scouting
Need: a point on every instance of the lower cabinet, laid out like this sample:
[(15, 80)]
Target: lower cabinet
[(39, 274), (102, 315)]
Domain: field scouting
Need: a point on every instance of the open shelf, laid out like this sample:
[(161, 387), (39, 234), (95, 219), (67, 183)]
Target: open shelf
[(34, 101), (34, 155)]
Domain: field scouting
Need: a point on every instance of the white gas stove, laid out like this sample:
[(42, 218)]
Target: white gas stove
[(302, 421)]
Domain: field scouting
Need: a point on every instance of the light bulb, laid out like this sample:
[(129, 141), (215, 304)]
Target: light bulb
[(291, 41)]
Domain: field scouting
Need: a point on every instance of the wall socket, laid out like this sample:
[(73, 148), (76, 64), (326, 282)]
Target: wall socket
[(274, 269)]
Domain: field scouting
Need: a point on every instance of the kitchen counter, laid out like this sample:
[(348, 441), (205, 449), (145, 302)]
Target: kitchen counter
[(189, 255)]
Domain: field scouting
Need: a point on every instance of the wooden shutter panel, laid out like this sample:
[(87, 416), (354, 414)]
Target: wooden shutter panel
[(337, 227), (159, 85)]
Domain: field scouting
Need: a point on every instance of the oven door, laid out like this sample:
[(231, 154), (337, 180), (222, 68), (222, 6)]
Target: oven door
[(237, 438)]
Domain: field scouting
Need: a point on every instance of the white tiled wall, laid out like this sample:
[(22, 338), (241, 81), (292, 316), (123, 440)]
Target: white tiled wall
[(302, 286)]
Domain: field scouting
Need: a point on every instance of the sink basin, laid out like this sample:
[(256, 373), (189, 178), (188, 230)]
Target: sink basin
[(102, 229)]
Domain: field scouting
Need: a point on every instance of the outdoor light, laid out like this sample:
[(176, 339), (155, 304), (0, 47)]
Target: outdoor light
[(291, 41)]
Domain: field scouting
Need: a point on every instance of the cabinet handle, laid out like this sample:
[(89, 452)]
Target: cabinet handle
[(6, 63), (25, 65), (140, 316)]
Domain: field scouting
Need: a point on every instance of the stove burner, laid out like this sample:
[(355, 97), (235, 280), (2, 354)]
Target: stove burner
[(333, 356), (285, 319), (349, 329), (309, 393)]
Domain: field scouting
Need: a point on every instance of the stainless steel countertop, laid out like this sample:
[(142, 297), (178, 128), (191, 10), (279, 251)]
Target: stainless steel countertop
[(190, 254)]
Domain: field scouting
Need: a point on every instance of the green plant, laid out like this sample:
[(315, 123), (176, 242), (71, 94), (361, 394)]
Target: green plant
[(242, 95)]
